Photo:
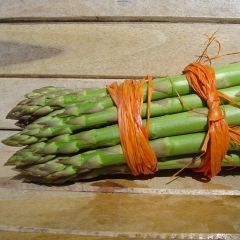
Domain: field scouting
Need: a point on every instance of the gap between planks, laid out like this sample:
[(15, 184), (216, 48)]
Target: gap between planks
[(120, 10), (117, 19), (67, 76)]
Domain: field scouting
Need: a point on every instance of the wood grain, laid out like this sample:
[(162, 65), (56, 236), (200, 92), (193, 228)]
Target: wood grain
[(30, 233), (121, 10), (109, 215), (107, 50), (6, 235), (27, 235)]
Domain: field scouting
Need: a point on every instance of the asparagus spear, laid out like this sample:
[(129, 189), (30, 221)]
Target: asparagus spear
[(29, 106), (162, 87), (42, 91), (30, 109), (163, 147), (56, 173), (57, 125), (59, 98), (232, 159), (83, 99), (26, 112), (168, 125)]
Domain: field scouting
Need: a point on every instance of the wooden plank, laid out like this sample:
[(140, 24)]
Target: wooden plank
[(107, 50), (226, 184), (115, 215), (28, 233), (6, 235), (121, 10), (11, 96)]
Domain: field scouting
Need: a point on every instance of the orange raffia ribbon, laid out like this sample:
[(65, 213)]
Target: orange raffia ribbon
[(202, 80), (128, 97)]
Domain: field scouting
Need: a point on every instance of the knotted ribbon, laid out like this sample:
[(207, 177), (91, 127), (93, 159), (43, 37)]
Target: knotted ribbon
[(202, 79)]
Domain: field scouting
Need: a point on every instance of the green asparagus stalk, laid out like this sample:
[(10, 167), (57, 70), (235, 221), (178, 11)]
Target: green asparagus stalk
[(30, 109), (163, 147), (25, 112), (168, 125), (42, 91), (58, 98), (46, 92), (29, 106), (232, 159), (55, 172), (162, 87), (50, 126), (30, 113)]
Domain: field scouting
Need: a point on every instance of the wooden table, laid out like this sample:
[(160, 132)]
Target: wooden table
[(90, 43)]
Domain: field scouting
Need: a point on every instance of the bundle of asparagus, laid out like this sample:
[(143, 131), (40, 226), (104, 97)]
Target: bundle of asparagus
[(71, 135)]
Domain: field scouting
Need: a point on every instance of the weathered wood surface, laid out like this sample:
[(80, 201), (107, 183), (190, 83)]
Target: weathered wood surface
[(121, 10), (48, 236), (109, 215), (107, 50), (6, 235)]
